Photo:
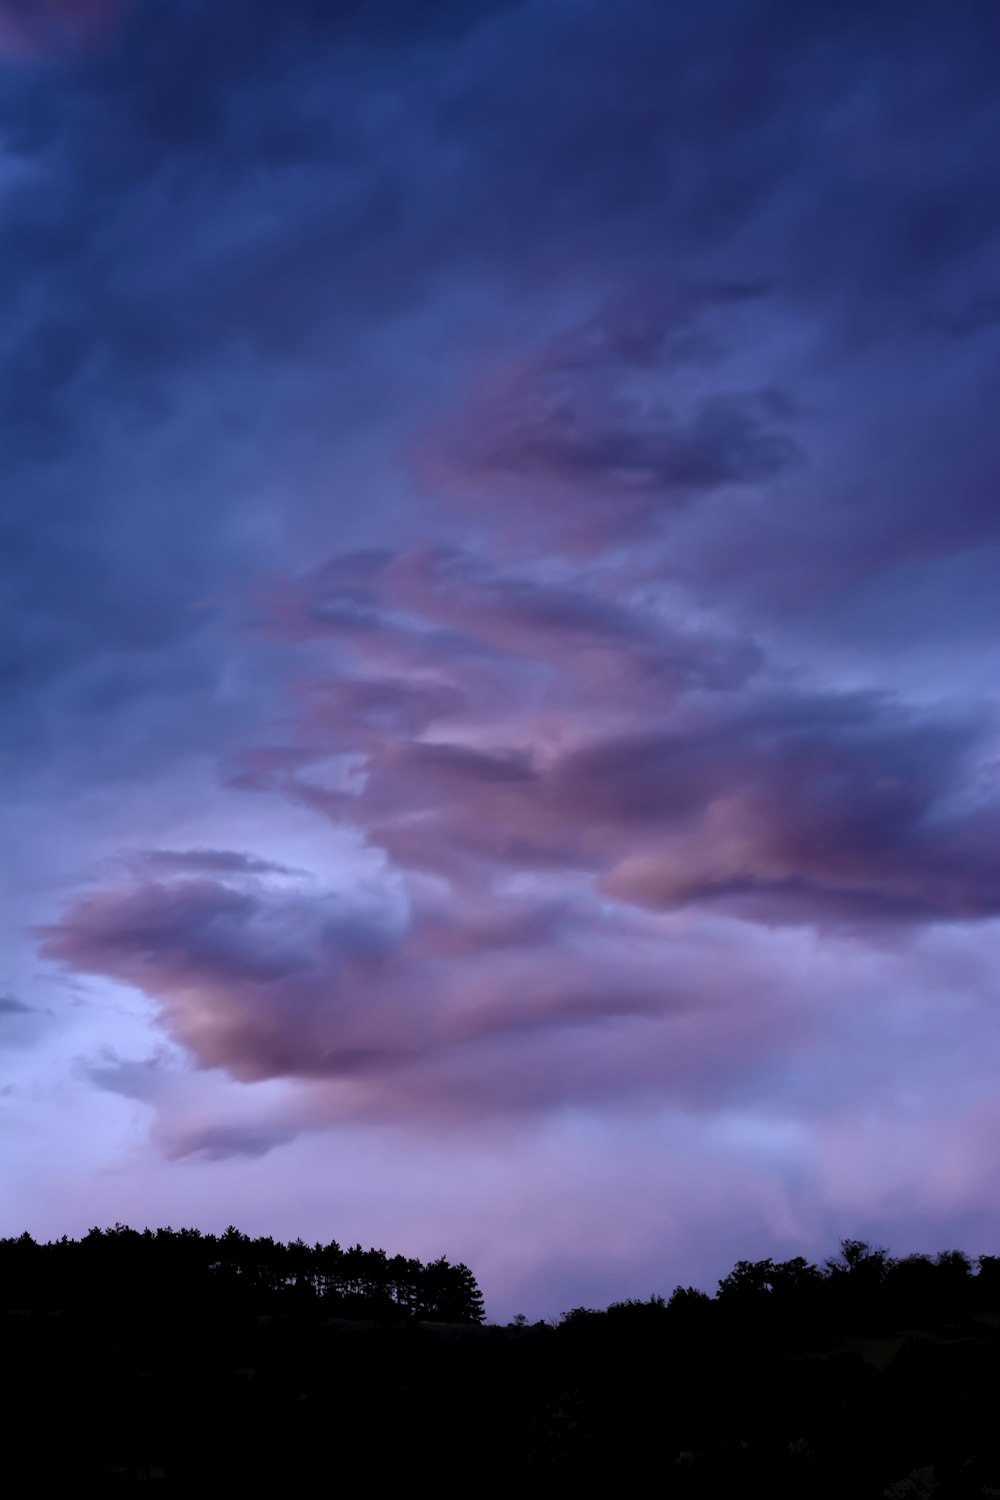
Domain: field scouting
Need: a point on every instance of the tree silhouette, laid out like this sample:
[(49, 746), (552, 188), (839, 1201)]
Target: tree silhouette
[(122, 1265), (247, 1362)]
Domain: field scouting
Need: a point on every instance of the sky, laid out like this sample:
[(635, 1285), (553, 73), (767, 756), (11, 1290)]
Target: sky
[(501, 556)]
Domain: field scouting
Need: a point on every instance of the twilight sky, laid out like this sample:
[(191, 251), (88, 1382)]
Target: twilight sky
[(502, 545)]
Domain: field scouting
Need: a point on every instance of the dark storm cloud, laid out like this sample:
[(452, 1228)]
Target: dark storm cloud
[(150, 258), (359, 110), (370, 101), (218, 191), (135, 158)]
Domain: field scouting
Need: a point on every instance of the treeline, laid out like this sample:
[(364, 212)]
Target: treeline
[(125, 1267), (794, 1301), (203, 1360)]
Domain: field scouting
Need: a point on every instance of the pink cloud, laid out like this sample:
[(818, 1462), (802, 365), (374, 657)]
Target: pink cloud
[(530, 724), (497, 1004), (568, 790), (593, 437)]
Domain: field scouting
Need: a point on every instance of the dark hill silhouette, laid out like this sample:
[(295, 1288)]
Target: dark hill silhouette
[(194, 1359)]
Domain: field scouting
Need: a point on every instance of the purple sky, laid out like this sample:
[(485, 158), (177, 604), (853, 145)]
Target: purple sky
[(502, 537)]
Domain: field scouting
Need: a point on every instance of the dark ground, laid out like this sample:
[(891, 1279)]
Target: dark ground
[(878, 1379)]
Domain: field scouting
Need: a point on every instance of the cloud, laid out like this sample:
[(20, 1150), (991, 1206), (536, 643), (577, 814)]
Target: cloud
[(596, 438), (566, 803), (223, 1142), (494, 1004), (249, 233), (142, 1079), (210, 861), (11, 1006), (21, 1025), (37, 28), (197, 1114), (547, 729)]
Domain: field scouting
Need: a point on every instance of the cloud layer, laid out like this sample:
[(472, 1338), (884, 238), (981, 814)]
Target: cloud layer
[(502, 501)]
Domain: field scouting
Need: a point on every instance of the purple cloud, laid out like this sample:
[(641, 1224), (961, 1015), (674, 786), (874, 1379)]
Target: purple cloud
[(488, 1006), (559, 733), (543, 786), (595, 438)]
